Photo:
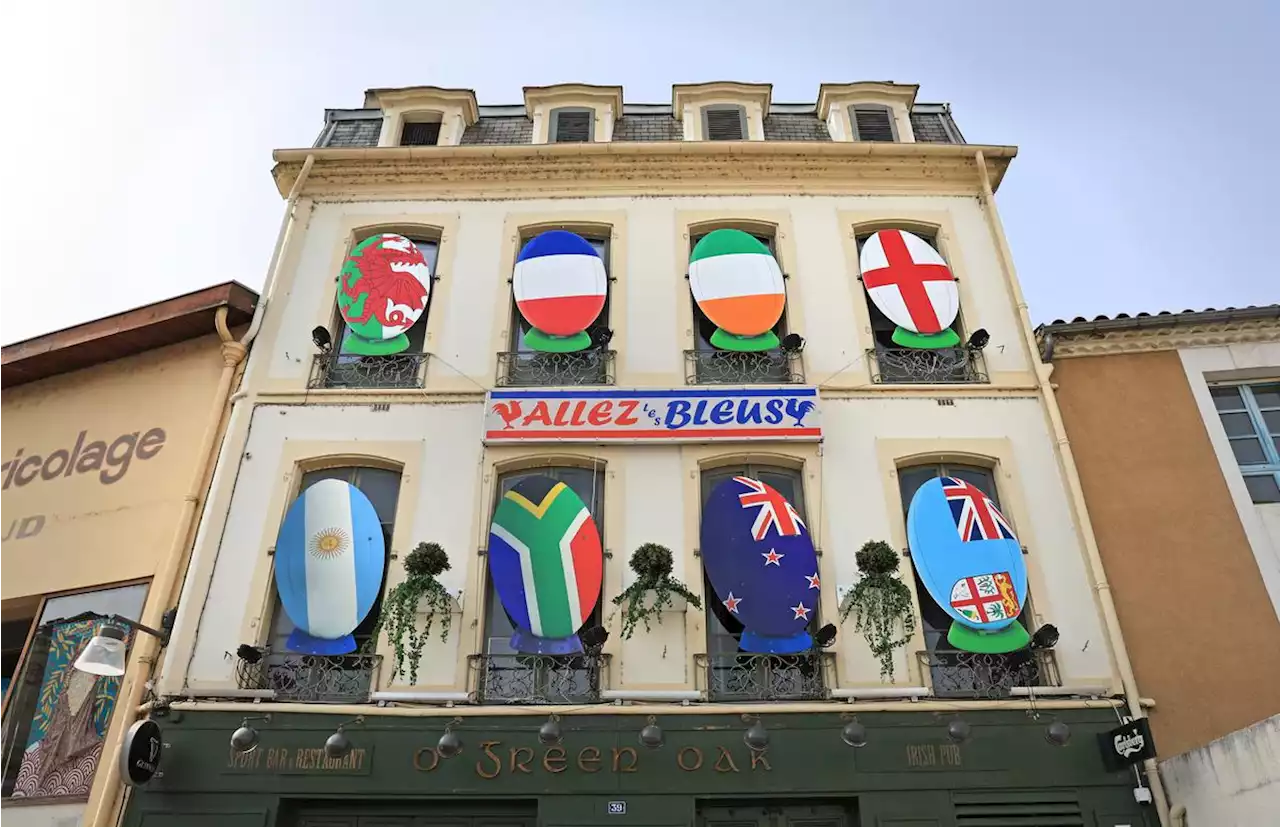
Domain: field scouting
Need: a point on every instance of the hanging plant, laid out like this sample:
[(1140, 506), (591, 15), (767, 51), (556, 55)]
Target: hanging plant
[(880, 604), (652, 564), (400, 607)]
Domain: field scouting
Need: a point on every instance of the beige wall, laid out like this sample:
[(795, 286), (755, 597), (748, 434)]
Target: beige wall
[(113, 513), (1195, 613)]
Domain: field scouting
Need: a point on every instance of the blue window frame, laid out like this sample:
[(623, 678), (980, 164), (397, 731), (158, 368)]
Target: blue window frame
[(1250, 415)]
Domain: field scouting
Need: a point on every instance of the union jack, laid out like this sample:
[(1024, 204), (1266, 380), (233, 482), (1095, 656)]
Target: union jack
[(977, 518), (774, 511)]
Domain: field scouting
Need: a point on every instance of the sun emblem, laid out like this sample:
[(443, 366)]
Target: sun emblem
[(328, 543)]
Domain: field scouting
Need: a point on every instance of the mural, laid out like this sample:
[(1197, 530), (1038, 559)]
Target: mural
[(911, 284), (971, 564), (385, 286), (738, 286), (547, 564), (560, 286), (73, 711), (762, 564), (329, 560)]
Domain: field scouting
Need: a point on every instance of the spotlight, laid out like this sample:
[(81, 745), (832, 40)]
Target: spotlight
[(1046, 637), (978, 340), (594, 638), (245, 738), (600, 337), (549, 732), (449, 744), (321, 338), (854, 733), (338, 745), (756, 736), (651, 735), (825, 636), (249, 654), (959, 731), (1058, 734), (793, 343)]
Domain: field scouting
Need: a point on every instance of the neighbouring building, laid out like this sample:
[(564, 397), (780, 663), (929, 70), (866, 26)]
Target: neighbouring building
[(1174, 419), (545, 336), (110, 428)]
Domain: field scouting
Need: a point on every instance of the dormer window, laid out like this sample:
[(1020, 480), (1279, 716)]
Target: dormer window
[(572, 126), (872, 122), (420, 133), (724, 123)]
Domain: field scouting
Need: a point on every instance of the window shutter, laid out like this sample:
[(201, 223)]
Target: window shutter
[(573, 127), (420, 134), (873, 124), (725, 125)]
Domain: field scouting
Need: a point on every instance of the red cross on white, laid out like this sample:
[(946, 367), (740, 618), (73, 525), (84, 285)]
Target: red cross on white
[(775, 511), (909, 281)]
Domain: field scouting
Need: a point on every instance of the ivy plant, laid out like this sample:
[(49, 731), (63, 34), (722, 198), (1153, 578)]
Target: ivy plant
[(880, 604), (652, 564), (400, 607)]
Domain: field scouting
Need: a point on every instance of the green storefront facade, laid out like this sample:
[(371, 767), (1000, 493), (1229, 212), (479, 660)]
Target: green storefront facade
[(909, 774)]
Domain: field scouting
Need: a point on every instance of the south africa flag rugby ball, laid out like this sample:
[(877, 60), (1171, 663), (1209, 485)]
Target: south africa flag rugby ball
[(560, 286), (738, 286)]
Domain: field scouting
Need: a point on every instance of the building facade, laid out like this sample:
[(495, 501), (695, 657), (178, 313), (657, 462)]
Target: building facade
[(1175, 422), (110, 428), (639, 385)]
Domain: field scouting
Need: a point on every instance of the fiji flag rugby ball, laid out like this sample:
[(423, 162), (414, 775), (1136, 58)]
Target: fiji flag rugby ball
[(560, 286), (385, 285), (547, 564), (971, 563), (761, 562), (329, 560), (738, 286)]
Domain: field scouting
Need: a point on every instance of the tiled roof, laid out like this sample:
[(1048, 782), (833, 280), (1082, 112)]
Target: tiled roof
[(778, 127), (517, 130), (1209, 314), (647, 128)]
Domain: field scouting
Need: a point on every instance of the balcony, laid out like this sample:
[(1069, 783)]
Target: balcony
[(726, 367), (734, 676), (335, 370), (540, 370), (339, 679), (538, 679), (977, 676), (948, 365)]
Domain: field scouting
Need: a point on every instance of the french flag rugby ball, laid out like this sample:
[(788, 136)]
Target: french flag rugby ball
[(547, 564), (909, 281), (761, 562), (968, 558), (559, 283), (736, 282), (329, 561)]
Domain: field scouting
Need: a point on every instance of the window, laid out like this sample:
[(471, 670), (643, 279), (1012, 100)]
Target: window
[(872, 123), (57, 716), (572, 126), (724, 123), (342, 678), (508, 676), (13, 637), (706, 364), (1250, 416), (420, 133), (338, 369), (522, 366)]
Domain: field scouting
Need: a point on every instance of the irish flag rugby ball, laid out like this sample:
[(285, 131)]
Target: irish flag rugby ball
[(559, 285), (738, 286)]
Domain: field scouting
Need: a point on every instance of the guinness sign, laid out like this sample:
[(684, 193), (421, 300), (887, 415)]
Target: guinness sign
[(140, 753)]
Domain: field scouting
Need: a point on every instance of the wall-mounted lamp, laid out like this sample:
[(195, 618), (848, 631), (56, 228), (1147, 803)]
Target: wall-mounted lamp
[(338, 745), (1058, 733), (959, 730), (793, 343), (825, 636), (549, 733), (651, 735), (105, 652), (1046, 637), (449, 744), (245, 738), (979, 338), (756, 736), (855, 732), (321, 338)]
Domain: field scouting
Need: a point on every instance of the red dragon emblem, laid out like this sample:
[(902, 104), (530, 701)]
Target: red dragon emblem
[(386, 277)]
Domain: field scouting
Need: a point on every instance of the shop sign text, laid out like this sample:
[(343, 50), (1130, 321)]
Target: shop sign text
[(497, 760)]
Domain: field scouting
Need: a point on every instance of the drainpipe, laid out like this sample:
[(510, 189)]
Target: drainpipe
[(1179, 815), (101, 809), (1068, 464)]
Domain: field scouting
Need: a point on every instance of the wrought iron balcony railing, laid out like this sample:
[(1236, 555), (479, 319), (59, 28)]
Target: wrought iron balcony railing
[(742, 677), (726, 367), (343, 370), (948, 365), (538, 679), (959, 674), (322, 679), (533, 370)]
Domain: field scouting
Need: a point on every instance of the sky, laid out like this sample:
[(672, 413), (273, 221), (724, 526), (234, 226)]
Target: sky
[(138, 135)]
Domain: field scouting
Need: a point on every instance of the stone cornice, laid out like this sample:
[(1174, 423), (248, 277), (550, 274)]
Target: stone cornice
[(660, 168), (1169, 337)]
